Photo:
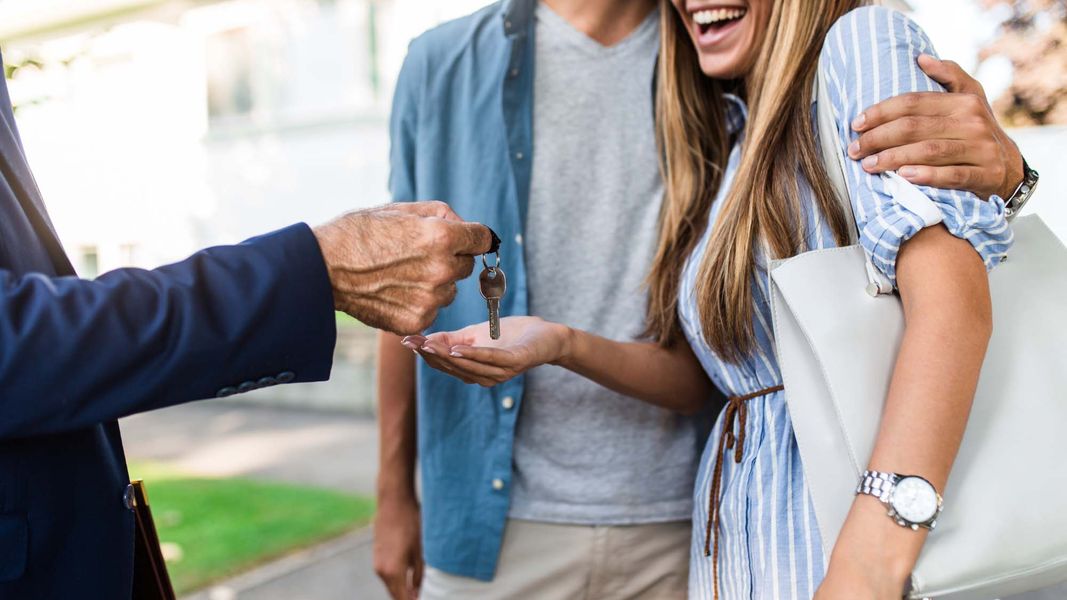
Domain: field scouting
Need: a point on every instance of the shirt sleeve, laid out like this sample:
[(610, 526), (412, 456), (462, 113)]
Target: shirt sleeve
[(871, 54), (75, 353)]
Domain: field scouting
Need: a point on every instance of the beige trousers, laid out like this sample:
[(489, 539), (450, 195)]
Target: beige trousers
[(578, 562)]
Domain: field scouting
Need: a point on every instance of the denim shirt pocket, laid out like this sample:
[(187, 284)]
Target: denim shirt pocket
[(14, 545)]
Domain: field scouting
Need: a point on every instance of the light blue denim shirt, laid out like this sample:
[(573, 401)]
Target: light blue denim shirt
[(461, 133)]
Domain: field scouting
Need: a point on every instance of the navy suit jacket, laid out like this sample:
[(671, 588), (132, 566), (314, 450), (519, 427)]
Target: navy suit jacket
[(76, 355)]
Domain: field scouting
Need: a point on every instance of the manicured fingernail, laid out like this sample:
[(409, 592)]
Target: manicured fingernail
[(854, 148), (908, 172), (428, 350), (870, 162), (456, 354), (859, 121)]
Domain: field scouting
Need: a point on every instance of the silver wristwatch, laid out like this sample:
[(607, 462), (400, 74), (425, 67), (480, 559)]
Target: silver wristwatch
[(912, 501), (1022, 194)]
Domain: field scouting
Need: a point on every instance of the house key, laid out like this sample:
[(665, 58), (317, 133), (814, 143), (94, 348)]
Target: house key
[(493, 284)]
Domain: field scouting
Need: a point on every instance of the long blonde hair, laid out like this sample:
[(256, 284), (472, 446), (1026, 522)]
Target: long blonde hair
[(763, 204)]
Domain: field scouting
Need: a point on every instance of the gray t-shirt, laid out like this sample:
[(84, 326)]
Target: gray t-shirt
[(584, 454)]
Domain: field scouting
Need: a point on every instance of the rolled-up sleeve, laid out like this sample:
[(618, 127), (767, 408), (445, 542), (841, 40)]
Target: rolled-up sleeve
[(871, 55)]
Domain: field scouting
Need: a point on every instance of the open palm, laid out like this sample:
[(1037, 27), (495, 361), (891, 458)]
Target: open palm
[(470, 355)]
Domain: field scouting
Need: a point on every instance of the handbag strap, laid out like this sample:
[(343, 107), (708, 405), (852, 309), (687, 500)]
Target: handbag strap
[(834, 163)]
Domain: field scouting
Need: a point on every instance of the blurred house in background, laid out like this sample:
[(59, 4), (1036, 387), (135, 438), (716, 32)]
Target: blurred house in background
[(157, 127)]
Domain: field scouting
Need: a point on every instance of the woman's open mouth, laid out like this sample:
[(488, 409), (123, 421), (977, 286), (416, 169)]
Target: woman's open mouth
[(714, 23)]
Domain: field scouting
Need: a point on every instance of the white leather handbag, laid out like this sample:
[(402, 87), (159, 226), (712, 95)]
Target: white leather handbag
[(1004, 525)]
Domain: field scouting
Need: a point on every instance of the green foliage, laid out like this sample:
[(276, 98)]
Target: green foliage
[(224, 526)]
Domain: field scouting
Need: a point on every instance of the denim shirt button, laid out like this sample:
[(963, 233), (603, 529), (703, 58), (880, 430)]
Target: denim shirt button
[(508, 403), (498, 484)]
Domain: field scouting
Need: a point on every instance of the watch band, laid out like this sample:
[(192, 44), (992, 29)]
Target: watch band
[(1022, 194), (881, 485), (878, 484)]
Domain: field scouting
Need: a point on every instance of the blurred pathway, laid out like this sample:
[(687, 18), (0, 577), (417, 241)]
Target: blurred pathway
[(332, 450), (325, 449)]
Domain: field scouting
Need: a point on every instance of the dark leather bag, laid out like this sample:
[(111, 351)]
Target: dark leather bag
[(150, 578)]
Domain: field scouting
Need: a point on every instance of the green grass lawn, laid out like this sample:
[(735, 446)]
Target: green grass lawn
[(223, 526), (345, 320)]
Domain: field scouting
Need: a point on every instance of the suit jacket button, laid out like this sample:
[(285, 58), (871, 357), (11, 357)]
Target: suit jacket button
[(266, 382), (247, 386), (285, 376), (128, 499), (226, 391)]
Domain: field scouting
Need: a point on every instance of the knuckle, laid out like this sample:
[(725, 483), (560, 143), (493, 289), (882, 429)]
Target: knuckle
[(975, 125), (933, 148), (448, 294), (911, 101), (954, 148), (426, 320), (409, 325), (443, 238), (427, 233), (440, 272), (466, 266), (911, 124), (957, 177)]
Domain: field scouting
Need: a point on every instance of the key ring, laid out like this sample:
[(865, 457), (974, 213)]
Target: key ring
[(486, 263)]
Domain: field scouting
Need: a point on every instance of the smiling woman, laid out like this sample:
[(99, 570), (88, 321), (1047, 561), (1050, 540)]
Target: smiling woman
[(725, 33), (715, 24)]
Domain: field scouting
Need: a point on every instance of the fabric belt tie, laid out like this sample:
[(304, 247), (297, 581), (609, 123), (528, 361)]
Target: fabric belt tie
[(735, 410)]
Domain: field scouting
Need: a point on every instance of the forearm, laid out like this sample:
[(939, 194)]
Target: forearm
[(397, 439), (668, 377), (74, 353), (948, 313)]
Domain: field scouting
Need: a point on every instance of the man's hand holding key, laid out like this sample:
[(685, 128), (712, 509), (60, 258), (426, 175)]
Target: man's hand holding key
[(394, 266)]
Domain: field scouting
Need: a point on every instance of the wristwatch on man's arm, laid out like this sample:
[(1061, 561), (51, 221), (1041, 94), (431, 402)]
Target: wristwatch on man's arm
[(912, 500), (1014, 203)]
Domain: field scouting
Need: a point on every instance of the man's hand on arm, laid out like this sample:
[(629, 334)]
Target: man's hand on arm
[(944, 140), (394, 266)]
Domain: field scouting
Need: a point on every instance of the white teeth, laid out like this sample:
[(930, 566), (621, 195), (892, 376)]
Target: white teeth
[(707, 17)]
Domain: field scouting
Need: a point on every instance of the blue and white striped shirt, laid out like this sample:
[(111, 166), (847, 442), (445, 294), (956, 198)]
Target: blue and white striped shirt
[(769, 541)]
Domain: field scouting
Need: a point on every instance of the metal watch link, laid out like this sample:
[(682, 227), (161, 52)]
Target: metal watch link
[(912, 500), (1022, 194)]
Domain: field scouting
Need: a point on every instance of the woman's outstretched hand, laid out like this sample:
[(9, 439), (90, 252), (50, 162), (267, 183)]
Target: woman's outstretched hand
[(469, 354)]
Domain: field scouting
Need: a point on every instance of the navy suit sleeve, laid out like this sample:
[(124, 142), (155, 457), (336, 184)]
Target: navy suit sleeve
[(75, 353)]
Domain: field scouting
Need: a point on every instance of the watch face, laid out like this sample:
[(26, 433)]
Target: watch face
[(915, 500)]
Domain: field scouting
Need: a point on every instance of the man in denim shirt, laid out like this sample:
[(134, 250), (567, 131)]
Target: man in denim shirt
[(589, 492)]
